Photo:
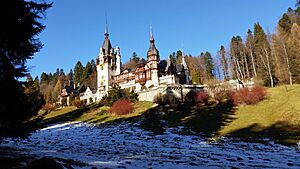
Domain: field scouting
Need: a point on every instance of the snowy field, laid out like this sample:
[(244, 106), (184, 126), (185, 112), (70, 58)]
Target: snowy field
[(129, 146)]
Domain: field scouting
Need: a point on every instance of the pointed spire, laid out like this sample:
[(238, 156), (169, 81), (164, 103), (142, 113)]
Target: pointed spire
[(106, 44), (183, 62), (151, 34), (106, 25), (152, 49)]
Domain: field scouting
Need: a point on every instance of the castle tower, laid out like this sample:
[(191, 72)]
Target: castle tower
[(105, 65), (152, 60), (186, 69)]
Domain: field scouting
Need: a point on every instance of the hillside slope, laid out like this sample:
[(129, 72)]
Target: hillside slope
[(276, 117)]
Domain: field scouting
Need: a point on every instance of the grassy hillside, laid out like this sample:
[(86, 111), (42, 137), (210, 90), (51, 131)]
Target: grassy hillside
[(93, 113), (277, 117)]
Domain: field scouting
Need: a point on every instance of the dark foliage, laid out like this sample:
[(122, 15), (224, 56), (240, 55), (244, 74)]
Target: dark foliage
[(18, 43), (116, 93), (34, 97), (167, 99)]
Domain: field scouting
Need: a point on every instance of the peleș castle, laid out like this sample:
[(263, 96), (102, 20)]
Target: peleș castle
[(147, 78)]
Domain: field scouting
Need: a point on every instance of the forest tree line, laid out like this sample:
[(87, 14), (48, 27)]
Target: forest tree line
[(269, 58), (51, 84)]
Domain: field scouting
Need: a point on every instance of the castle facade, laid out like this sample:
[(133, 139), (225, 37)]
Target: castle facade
[(147, 74)]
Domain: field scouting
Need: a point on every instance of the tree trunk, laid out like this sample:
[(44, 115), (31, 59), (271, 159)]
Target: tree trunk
[(236, 67), (246, 65), (239, 69), (269, 67), (253, 61), (288, 63)]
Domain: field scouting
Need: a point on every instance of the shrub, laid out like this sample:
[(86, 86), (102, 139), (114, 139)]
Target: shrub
[(201, 97), (116, 93), (121, 107), (157, 99), (166, 99), (48, 107), (78, 103), (249, 96), (222, 95), (64, 101)]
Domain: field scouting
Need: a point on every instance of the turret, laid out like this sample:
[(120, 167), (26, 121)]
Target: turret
[(105, 62), (152, 60), (153, 53), (183, 62), (118, 61), (186, 70)]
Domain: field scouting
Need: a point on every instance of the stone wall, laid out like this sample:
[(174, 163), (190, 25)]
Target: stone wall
[(149, 94)]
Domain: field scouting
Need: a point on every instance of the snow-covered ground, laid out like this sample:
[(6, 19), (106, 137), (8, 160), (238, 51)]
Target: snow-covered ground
[(128, 146)]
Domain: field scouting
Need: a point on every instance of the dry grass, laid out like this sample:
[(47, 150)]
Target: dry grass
[(59, 111), (281, 106), (96, 115), (101, 114)]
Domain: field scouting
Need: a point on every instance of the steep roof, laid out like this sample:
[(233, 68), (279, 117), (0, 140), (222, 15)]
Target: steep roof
[(106, 44), (152, 49)]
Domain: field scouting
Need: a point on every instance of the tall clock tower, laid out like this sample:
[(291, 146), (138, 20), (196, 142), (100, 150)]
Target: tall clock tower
[(152, 61), (106, 65)]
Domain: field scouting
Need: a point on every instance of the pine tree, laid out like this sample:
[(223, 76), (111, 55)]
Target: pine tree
[(172, 58), (294, 53), (222, 54), (263, 52), (234, 67), (250, 52), (78, 72), (178, 57), (57, 90), (16, 48), (209, 65), (32, 90), (285, 23), (135, 57)]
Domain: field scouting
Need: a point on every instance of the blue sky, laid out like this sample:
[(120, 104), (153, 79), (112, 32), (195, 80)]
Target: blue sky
[(74, 28)]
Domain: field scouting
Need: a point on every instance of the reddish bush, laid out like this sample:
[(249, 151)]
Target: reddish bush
[(201, 97), (121, 107), (249, 96)]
